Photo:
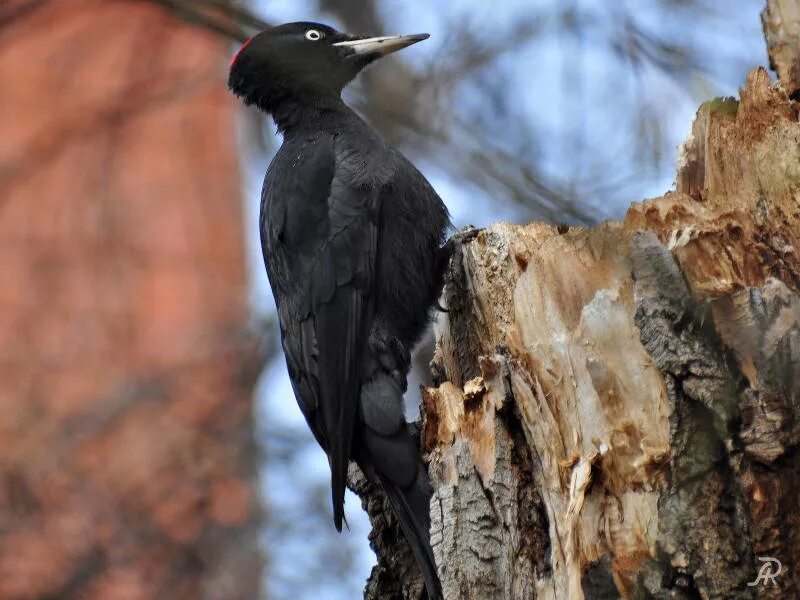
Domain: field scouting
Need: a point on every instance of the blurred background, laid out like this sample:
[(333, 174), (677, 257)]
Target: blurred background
[(150, 445)]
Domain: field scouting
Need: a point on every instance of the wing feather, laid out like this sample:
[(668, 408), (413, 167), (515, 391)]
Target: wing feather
[(320, 236)]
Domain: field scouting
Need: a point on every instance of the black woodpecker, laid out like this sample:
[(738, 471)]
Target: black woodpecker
[(352, 236)]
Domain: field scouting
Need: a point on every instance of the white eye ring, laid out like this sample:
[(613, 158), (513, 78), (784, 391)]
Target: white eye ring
[(313, 35)]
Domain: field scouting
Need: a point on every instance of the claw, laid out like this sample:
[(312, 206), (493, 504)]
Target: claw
[(466, 234)]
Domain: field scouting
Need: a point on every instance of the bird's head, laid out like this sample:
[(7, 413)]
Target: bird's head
[(305, 58)]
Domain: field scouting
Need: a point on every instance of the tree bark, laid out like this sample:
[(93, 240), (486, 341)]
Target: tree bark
[(127, 363), (617, 409)]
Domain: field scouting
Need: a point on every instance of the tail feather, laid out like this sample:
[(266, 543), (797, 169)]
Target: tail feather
[(388, 452), (337, 496), (412, 507)]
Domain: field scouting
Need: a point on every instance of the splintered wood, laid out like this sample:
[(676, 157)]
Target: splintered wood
[(618, 408), (781, 22)]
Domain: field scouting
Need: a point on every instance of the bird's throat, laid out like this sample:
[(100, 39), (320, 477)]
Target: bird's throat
[(292, 112)]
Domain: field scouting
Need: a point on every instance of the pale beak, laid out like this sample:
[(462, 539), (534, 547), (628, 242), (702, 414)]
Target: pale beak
[(382, 45)]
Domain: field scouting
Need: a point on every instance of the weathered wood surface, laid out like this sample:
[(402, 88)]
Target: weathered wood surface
[(781, 22), (617, 409)]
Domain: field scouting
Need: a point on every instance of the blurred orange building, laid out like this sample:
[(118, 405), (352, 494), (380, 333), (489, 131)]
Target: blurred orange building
[(126, 445)]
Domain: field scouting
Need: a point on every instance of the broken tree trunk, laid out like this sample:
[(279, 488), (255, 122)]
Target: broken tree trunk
[(617, 409)]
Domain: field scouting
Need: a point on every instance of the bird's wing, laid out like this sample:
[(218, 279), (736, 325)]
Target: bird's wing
[(320, 242)]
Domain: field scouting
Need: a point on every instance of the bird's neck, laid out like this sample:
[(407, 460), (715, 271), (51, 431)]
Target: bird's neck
[(294, 112)]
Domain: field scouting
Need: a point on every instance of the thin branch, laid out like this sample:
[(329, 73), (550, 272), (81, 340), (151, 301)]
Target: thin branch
[(219, 16), (17, 10)]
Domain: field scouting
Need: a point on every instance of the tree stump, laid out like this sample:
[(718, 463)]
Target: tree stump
[(617, 409)]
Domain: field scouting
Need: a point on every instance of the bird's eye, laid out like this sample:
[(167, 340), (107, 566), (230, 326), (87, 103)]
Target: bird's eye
[(313, 35)]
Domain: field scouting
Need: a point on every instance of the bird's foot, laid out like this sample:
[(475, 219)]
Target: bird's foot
[(465, 235)]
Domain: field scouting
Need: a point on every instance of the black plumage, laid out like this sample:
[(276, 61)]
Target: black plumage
[(352, 236)]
